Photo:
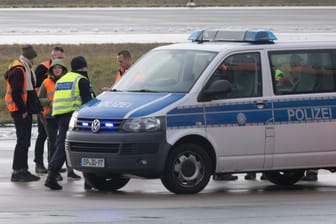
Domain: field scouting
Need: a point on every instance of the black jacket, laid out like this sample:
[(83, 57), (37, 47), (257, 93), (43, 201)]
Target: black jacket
[(16, 80), (85, 89)]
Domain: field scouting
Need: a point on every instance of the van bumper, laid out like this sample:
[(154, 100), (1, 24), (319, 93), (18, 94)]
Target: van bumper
[(141, 154)]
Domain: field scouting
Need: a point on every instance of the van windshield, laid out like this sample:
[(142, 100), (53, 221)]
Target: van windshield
[(165, 71)]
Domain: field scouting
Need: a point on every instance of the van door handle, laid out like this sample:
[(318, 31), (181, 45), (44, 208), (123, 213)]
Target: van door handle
[(260, 104)]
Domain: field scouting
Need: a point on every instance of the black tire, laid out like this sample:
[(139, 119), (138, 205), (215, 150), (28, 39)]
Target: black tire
[(105, 183), (285, 178), (188, 169)]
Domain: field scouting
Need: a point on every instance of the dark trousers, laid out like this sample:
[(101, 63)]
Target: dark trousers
[(52, 128), (23, 129), (59, 157), (40, 140)]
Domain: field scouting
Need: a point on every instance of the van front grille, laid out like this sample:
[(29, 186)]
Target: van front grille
[(122, 149), (94, 147)]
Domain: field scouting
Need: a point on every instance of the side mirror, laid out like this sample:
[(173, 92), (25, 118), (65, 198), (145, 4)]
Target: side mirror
[(217, 89)]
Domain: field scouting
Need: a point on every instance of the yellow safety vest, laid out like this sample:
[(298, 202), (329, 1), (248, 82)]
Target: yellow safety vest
[(278, 74), (67, 96)]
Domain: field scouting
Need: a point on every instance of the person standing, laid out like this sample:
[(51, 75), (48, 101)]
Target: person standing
[(41, 72), (22, 102), (72, 90), (124, 60), (46, 96)]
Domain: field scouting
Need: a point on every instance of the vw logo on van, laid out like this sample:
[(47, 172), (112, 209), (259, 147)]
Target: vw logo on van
[(95, 126)]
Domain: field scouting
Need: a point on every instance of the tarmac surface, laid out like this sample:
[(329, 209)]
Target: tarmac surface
[(144, 201), (147, 201)]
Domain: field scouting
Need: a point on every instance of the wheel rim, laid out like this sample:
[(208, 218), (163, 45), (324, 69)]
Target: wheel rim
[(189, 169)]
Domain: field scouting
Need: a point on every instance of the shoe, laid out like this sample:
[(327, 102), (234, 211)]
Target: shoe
[(32, 177), (87, 186), (250, 176), (62, 170), (263, 177), (224, 176), (73, 176), (52, 184), (40, 169), (59, 177), (310, 177), (23, 176)]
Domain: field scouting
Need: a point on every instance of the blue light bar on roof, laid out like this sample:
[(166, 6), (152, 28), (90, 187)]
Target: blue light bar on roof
[(254, 36), (259, 36), (195, 35)]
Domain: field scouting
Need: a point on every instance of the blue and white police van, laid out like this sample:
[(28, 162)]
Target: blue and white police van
[(225, 102)]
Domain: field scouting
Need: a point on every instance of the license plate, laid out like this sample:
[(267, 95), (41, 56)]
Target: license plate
[(93, 162)]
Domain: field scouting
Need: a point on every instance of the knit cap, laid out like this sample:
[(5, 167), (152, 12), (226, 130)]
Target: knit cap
[(28, 52), (78, 63)]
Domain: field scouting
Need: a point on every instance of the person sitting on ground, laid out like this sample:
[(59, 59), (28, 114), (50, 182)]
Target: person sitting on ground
[(224, 176), (310, 175), (253, 176)]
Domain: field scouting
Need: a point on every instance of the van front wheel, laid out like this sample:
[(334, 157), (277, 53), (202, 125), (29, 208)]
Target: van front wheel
[(188, 169), (105, 182), (286, 177)]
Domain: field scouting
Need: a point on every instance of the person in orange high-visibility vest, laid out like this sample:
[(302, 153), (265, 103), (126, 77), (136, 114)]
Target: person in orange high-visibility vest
[(22, 103), (41, 72), (124, 59), (46, 96)]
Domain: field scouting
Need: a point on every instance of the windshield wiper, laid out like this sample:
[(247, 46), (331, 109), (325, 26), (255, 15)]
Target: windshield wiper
[(114, 90), (143, 91)]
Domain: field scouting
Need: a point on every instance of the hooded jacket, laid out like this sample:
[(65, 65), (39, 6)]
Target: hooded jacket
[(47, 89)]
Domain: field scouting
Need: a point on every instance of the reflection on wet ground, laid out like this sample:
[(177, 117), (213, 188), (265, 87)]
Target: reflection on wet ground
[(8, 132)]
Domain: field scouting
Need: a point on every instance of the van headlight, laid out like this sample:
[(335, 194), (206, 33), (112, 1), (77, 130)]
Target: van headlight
[(145, 124), (73, 121)]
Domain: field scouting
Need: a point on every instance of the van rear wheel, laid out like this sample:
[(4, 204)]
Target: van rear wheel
[(188, 169), (286, 177), (105, 182)]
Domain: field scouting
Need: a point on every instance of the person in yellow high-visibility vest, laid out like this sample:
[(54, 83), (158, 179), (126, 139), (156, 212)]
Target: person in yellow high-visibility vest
[(72, 90)]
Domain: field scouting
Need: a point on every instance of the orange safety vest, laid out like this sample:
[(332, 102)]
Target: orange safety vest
[(47, 65), (121, 71), (11, 106), (49, 85)]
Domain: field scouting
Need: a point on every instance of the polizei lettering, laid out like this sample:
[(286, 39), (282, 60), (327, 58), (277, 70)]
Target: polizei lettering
[(315, 113)]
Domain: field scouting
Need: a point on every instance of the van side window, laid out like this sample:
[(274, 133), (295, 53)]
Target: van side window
[(243, 72), (303, 71)]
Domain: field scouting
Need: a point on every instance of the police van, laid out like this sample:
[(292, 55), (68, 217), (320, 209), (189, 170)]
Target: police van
[(225, 102)]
